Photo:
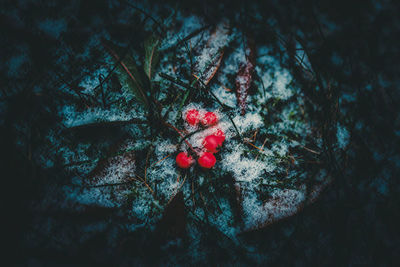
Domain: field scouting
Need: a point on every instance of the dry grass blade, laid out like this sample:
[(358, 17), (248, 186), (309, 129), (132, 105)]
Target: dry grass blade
[(161, 160), (151, 55), (251, 144)]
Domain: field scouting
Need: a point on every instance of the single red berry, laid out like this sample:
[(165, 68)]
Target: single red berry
[(207, 160), (209, 119), (192, 117), (221, 136), (211, 143), (183, 160)]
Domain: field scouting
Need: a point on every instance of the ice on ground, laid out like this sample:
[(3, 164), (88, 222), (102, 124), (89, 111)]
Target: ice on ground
[(142, 208), (184, 25), (244, 167)]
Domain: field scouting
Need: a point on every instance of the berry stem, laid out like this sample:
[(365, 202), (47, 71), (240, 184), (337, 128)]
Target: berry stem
[(181, 134)]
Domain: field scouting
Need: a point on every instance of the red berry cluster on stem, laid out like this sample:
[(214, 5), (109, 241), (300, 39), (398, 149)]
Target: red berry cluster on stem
[(211, 143)]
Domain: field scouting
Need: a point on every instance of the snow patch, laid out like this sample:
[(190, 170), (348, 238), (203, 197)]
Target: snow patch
[(72, 117), (282, 203)]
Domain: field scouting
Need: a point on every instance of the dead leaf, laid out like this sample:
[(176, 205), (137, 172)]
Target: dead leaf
[(245, 76), (109, 183), (211, 56)]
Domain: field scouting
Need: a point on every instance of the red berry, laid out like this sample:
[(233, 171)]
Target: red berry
[(183, 160), (211, 143), (221, 136), (207, 160), (192, 117), (209, 119)]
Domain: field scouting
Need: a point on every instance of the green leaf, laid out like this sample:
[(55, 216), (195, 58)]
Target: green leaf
[(128, 73), (151, 55)]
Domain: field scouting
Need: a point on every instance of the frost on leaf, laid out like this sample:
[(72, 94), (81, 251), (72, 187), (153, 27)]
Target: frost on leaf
[(109, 183)]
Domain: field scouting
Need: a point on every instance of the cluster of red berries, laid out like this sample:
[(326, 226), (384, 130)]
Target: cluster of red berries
[(211, 143)]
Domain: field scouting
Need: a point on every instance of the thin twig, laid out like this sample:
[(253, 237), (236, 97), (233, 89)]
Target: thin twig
[(223, 107), (160, 160), (244, 140), (180, 133), (188, 37), (147, 161), (144, 182)]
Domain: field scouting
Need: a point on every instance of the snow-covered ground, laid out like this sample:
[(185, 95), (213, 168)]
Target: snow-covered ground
[(259, 173)]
